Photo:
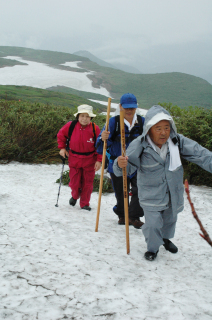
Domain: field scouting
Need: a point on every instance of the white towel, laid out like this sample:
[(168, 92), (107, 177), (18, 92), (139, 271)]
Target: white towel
[(175, 160), (161, 151)]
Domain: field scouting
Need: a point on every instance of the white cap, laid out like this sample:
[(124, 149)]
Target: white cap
[(157, 118), (85, 108)]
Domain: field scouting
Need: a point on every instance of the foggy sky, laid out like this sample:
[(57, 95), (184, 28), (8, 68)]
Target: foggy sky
[(151, 35)]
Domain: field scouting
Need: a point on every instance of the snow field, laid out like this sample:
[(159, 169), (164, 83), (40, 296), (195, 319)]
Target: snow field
[(42, 76), (55, 266)]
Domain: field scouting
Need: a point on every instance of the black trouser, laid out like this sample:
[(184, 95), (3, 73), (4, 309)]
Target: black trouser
[(135, 209)]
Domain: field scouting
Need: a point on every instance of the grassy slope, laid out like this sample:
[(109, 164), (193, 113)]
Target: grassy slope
[(177, 88), (44, 96), (44, 56), (9, 63), (83, 94)]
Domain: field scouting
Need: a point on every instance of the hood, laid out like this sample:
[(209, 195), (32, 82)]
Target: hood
[(154, 115)]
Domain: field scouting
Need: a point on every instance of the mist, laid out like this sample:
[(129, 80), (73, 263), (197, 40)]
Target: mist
[(154, 36)]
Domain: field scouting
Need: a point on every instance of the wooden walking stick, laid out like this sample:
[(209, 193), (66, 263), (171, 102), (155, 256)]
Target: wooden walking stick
[(205, 235), (103, 166), (124, 171)]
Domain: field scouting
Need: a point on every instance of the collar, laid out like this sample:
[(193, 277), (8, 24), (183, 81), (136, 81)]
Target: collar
[(130, 126)]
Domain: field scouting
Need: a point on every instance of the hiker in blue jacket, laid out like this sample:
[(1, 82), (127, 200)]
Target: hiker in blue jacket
[(133, 128), (156, 157)]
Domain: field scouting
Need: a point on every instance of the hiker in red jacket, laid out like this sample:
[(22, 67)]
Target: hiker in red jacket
[(82, 156)]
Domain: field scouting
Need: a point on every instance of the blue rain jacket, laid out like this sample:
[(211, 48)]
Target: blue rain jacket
[(114, 146)]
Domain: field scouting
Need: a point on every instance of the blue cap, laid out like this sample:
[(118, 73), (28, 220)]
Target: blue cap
[(128, 100)]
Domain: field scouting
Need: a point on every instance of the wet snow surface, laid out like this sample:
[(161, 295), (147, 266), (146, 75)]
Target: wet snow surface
[(40, 75), (54, 266)]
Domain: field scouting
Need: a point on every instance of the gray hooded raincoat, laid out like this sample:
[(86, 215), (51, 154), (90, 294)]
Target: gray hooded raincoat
[(159, 188)]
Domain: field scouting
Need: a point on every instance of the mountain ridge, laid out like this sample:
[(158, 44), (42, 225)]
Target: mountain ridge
[(174, 87), (119, 66)]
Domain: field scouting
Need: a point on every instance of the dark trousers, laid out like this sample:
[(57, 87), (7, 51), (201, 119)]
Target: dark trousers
[(135, 210)]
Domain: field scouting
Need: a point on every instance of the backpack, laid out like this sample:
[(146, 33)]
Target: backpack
[(117, 126), (117, 132), (71, 129)]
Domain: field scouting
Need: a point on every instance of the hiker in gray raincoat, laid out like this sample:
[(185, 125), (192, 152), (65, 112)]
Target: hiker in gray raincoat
[(156, 157)]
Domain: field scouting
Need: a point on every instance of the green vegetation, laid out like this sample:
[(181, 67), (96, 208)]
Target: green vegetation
[(181, 89), (106, 187), (43, 56), (29, 125), (30, 94), (83, 94), (28, 131), (178, 88), (9, 63), (196, 124)]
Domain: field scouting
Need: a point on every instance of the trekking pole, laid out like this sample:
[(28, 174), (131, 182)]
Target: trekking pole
[(63, 160), (124, 171), (103, 166)]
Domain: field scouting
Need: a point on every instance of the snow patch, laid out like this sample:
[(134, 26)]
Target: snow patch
[(72, 64), (39, 75)]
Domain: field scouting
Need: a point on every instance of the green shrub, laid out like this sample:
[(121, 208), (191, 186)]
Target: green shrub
[(194, 123), (28, 132), (65, 178), (106, 187)]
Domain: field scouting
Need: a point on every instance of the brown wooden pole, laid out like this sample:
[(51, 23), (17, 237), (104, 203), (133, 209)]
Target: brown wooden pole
[(103, 166), (205, 235), (124, 171)]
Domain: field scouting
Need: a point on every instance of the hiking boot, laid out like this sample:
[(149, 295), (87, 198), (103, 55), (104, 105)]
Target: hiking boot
[(122, 221), (72, 202), (136, 223), (168, 245), (150, 255), (86, 208)]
